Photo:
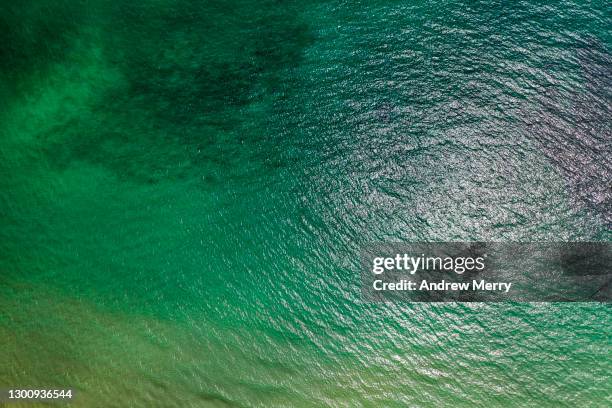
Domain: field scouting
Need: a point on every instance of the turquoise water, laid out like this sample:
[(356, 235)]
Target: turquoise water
[(185, 187)]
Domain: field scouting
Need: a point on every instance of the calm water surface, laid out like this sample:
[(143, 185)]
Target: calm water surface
[(185, 186)]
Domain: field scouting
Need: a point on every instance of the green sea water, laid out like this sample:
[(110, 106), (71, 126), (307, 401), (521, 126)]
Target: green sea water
[(185, 187)]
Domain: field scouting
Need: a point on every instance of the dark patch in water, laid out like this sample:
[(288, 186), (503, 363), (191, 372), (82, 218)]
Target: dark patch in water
[(191, 71), (34, 35)]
